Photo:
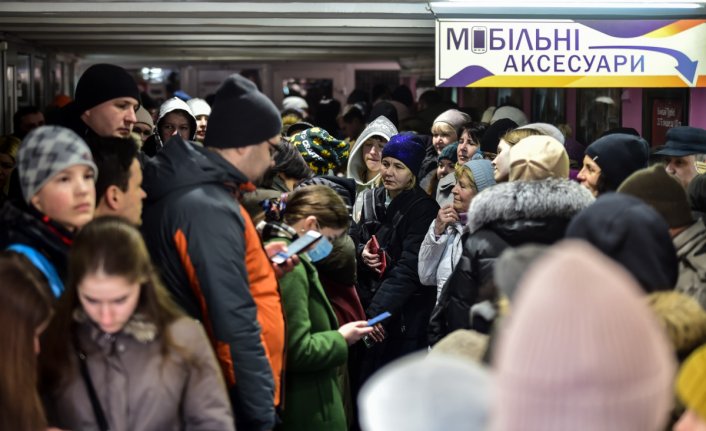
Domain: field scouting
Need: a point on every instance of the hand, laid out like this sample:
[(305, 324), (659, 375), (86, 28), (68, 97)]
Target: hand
[(275, 247), (447, 215), (378, 333), (354, 331), (371, 260)]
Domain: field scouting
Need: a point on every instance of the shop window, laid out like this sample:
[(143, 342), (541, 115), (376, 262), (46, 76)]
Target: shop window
[(549, 105), (597, 110), (510, 96), (662, 109)]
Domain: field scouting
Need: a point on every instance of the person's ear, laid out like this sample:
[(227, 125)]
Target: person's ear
[(310, 223), (113, 197), (37, 202)]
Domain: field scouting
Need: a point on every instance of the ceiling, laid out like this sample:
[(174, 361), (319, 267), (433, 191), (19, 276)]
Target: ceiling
[(190, 31)]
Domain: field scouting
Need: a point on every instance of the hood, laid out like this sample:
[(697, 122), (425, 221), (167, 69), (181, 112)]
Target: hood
[(175, 104), (183, 165), (382, 127), (551, 198)]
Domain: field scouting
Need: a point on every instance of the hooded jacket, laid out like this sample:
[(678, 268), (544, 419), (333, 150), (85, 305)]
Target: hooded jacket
[(213, 263), (381, 127), (505, 215), (154, 143)]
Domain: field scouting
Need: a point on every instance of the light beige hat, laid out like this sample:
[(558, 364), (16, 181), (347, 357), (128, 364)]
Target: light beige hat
[(537, 158)]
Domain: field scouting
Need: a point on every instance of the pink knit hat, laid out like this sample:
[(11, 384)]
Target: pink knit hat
[(581, 350)]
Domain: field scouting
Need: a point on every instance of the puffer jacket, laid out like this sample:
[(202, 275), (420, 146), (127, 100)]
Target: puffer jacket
[(138, 388), (505, 215)]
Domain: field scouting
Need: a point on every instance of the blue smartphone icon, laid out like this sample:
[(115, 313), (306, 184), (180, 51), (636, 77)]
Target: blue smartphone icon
[(379, 318), (479, 37)]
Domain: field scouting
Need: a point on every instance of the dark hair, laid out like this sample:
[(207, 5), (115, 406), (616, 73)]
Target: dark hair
[(353, 112), (431, 97), (288, 162), (475, 130), (22, 112), (25, 306), (113, 157), (320, 201), (403, 95), (112, 246)]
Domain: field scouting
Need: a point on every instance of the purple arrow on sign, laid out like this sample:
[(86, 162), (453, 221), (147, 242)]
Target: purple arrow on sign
[(685, 66)]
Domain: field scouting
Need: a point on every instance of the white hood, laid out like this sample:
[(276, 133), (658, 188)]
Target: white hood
[(381, 127)]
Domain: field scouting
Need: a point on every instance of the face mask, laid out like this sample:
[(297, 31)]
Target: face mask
[(321, 250)]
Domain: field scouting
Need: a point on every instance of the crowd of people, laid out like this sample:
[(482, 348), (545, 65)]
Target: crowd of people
[(527, 281)]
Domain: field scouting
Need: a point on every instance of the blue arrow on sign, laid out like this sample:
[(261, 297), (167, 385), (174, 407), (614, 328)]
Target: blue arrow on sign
[(685, 66)]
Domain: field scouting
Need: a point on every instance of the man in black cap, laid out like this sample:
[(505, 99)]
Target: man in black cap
[(685, 145), (209, 253), (105, 102)]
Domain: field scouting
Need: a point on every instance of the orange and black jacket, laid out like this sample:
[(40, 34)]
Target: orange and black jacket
[(212, 261)]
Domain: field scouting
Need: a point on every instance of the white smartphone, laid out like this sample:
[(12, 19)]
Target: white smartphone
[(479, 40), (302, 243)]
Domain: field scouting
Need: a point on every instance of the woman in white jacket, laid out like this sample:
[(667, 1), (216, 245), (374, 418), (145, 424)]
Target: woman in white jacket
[(441, 247)]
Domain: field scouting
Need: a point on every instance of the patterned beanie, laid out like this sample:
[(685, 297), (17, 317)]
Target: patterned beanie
[(321, 151), (408, 148), (45, 152), (581, 356), (101, 83), (691, 381), (449, 153)]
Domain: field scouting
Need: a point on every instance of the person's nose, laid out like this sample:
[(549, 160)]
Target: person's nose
[(131, 117)]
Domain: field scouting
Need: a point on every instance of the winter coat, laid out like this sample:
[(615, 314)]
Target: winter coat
[(381, 127), (438, 256), (444, 188), (138, 388), (691, 251), (154, 143), (400, 228), (505, 215), (212, 261), (32, 229), (315, 351)]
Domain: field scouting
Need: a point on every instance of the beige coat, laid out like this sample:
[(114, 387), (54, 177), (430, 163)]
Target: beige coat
[(691, 251), (138, 391)]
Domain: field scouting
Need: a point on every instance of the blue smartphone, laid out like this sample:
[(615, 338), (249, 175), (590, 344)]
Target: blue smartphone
[(296, 247), (379, 318)]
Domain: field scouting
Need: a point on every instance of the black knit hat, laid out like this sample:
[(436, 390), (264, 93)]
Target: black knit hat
[(618, 156), (490, 140), (101, 83), (241, 115)]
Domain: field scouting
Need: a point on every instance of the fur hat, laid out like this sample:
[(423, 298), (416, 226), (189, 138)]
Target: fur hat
[(321, 151), (537, 158), (101, 83), (408, 148), (633, 234), (463, 343), (581, 355), (241, 115), (682, 318), (618, 155), (691, 382), (199, 107), (418, 393), (454, 118), (46, 151), (684, 141), (662, 192)]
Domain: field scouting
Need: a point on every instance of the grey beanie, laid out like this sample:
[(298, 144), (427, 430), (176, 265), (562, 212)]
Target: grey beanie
[(454, 118), (45, 152), (482, 171), (241, 115)]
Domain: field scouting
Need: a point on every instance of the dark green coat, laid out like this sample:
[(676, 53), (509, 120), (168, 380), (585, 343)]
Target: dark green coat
[(315, 350)]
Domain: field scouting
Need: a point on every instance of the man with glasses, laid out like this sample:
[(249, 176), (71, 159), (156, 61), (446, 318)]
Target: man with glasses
[(209, 252)]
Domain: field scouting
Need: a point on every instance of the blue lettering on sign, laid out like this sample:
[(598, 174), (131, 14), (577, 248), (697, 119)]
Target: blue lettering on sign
[(462, 38), (509, 39), (560, 63)]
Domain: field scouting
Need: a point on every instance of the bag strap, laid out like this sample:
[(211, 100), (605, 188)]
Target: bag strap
[(95, 403), (369, 204), (41, 262)]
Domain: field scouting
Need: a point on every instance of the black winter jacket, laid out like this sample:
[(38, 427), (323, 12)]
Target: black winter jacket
[(505, 215)]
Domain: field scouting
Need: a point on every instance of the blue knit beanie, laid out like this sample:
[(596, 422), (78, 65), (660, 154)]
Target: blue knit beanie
[(408, 148), (449, 153), (482, 171)]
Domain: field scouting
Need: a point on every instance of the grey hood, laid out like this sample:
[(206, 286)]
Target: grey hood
[(382, 127), (518, 200)]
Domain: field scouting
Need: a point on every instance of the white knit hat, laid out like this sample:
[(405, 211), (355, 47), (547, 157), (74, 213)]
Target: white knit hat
[(582, 350)]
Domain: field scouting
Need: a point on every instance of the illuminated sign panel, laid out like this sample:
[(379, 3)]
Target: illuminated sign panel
[(570, 53)]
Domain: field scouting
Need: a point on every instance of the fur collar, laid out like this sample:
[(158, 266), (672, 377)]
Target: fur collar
[(138, 327), (517, 200)]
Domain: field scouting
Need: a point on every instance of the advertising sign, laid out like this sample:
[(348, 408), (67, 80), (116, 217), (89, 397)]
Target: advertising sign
[(570, 53)]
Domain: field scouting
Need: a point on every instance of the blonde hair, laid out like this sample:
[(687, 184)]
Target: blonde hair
[(465, 171), (514, 136), (320, 201), (442, 128)]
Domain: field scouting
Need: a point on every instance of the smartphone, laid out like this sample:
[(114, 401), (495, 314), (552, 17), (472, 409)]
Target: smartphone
[(379, 318), (479, 40), (302, 243)]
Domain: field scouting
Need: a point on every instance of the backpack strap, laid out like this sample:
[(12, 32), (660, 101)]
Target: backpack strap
[(41, 262)]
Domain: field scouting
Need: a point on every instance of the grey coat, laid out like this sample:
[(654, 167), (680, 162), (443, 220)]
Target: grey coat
[(137, 388)]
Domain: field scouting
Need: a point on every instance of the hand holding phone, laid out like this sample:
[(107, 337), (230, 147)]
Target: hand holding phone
[(301, 244)]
